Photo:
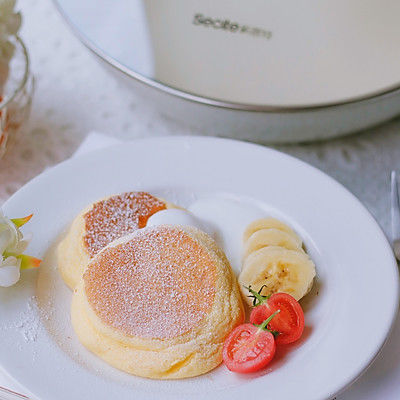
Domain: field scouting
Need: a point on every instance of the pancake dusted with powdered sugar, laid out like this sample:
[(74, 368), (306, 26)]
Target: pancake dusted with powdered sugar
[(158, 303), (101, 223)]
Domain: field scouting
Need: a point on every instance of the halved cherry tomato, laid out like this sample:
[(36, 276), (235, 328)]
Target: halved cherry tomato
[(289, 322), (249, 348)]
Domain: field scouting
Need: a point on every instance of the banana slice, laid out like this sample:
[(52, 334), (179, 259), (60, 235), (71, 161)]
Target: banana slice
[(268, 223), (271, 237), (280, 270)]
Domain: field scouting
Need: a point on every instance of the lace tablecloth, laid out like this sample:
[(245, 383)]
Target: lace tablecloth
[(75, 95)]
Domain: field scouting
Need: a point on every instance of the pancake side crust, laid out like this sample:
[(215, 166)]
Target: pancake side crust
[(72, 256)]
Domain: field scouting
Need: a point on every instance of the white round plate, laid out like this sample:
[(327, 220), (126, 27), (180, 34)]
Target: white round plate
[(348, 314)]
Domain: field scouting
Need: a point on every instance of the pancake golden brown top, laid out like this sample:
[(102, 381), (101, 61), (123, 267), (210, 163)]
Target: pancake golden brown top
[(117, 216), (160, 284)]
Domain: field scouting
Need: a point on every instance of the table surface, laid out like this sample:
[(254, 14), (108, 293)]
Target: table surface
[(68, 76)]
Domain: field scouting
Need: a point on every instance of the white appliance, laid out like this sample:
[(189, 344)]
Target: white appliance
[(265, 70)]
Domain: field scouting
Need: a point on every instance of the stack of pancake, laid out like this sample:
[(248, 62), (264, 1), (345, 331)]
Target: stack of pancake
[(156, 301)]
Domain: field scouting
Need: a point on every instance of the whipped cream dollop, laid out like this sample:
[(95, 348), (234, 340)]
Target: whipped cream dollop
[(229, 218), (222, 217), (176, 216)]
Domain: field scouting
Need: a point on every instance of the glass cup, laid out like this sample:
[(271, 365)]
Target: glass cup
[(16, 96)]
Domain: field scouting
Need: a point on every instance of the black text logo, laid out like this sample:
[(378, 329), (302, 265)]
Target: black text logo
[(228, 25)]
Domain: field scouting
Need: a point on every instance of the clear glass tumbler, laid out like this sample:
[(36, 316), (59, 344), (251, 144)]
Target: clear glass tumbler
[(16, 98)]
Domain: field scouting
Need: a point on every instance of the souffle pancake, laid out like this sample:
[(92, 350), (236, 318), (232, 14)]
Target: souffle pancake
[(99, 224), (158, 303)]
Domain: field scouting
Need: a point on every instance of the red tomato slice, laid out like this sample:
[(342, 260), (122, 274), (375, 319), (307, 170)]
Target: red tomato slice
[(289, 322), (248, 349)]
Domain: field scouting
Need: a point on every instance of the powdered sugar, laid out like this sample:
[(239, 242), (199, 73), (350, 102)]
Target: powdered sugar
[(27, 321), (117, 216), (159, 284)]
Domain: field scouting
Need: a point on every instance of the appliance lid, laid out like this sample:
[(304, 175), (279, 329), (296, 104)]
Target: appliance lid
[(249, 54)]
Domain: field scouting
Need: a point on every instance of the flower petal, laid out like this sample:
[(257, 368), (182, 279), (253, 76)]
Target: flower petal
[(28, 262), (9, 275), (9, 233), (9, 271), (18, 222), (6, 238), (9, 260), (21, 246)]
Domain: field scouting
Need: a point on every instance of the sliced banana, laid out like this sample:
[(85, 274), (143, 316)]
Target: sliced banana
[(280, 270), (271, 237), (268, 223)]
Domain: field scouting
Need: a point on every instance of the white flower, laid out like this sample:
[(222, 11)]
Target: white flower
[(10, 236), (9, 271), (12, 244)]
